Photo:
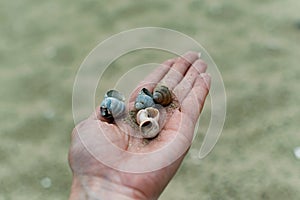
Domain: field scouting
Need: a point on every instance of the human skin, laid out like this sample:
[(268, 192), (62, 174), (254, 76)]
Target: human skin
[(92, 179)]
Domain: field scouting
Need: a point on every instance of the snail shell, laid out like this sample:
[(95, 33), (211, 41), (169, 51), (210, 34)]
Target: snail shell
[(148, 122), (113, 105), (115, 94), (144, 99), (162, 95)]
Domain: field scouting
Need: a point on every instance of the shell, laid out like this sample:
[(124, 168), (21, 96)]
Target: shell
[(113, 105), (115, 94), (148, 122), (144, 100), (162, 95)]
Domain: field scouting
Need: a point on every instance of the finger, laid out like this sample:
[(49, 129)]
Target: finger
[(178, 70), (186, 84), (194, 101), (191, 108), (160, 71), (152, 79)]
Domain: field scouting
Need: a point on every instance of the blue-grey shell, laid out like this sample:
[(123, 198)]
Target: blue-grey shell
[(115, 94), (144, 100), (113, 105)]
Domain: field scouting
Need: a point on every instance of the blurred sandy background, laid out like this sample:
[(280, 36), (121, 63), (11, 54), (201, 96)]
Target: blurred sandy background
[(256, 45)]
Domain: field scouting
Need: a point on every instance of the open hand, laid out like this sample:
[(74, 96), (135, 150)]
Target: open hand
[(92, 140)]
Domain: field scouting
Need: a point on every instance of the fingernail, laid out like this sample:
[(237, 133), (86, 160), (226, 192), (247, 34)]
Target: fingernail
[(199, 54), (207, 79)]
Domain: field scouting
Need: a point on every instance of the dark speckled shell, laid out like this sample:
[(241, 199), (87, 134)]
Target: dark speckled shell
[(162, 95)]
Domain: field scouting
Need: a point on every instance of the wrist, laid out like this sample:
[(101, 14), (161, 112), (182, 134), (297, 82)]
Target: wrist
[(96, 188)]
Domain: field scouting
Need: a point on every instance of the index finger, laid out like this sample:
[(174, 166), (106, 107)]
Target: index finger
[(152, 79)]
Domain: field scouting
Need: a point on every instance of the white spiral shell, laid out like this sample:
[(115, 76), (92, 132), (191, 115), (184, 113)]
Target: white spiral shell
[(148, 122)]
